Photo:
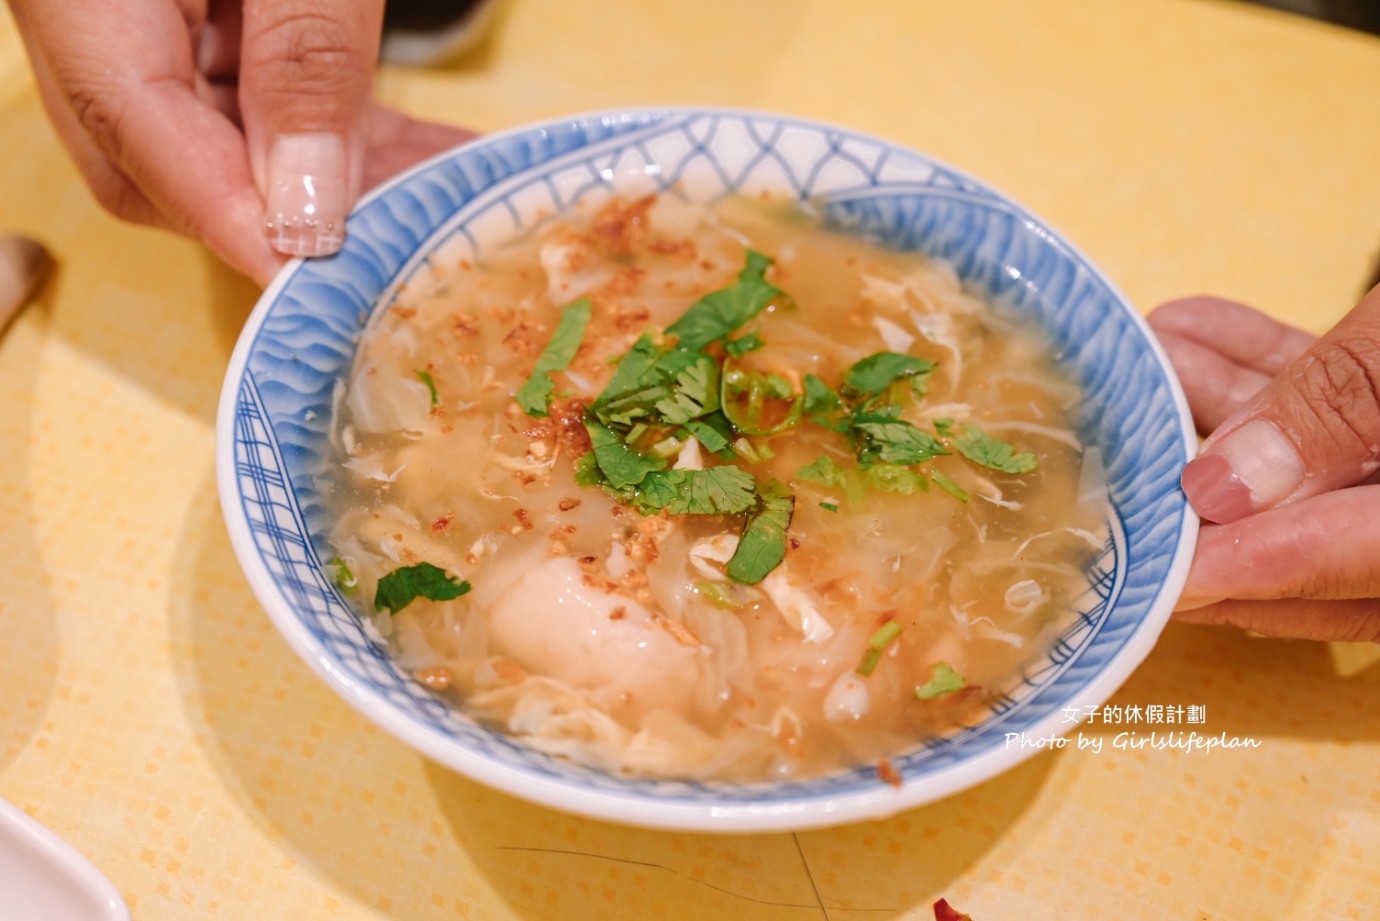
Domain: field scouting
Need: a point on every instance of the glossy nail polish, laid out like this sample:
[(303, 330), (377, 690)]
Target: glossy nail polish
[(1252, 468), (306, 197)]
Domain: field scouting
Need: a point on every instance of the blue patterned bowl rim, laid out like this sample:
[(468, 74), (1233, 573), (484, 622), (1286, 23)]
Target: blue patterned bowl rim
[(275, 406)]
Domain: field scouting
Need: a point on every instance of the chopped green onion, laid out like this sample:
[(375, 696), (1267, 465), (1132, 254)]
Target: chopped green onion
[(944, 681), (668, 447), (742, 345), (426, 378), (829, 506), (886, 635), (758, 404), (747, 450), (719, 594), (341, 575), (948, 485), (869, 662)]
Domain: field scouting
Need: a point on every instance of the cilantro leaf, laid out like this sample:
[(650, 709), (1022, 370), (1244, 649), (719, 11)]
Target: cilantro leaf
[(725, 490), (720, 312), (762, 546), (632, 376), (894, 440), (695, 390), (825, 471), (588, 475), (875, 373), (820, 397), (714, 431), (403, 585), (943, 681), (620, 464), (535, 395), (657, 387), (993, 453), (657, 490), (896, 479), (632, 368), (587, 472), (823, 407)]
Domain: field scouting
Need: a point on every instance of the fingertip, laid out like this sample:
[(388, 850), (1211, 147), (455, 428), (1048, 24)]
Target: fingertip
[(307, 195), (260, 266), (306, 83), (1184, 314), (308, 69), (1192, 608), (263, 271), (1349, 621), (241, 242), (1215, 491), (1250, 468)]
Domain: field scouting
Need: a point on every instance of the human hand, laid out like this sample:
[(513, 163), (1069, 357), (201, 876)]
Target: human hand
[(1286, 479), (246, 125)]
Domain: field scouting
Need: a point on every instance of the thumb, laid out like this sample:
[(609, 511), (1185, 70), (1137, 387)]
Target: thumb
[(306, 82), (1313, 429)]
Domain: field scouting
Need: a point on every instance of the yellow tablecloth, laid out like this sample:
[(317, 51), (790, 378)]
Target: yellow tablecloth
[(151, 716)]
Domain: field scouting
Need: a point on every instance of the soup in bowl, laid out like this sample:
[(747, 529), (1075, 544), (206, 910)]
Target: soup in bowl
[(708, 470)]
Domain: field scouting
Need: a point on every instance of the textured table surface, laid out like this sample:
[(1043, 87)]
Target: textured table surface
[(151, 715)]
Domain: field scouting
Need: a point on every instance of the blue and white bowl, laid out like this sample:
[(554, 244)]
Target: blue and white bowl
[(275, 412)]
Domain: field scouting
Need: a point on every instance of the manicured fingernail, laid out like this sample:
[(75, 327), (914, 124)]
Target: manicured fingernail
[(1252, 468), (306, 194)]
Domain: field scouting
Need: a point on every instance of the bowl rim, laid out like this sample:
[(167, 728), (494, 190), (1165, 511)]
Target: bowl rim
[(635, 808)]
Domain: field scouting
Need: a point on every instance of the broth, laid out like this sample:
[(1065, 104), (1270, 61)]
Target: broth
[(596, 624)]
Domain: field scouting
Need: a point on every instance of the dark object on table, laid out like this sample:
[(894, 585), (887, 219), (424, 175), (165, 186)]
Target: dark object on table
[(1374, 272), (24, 264), (1363, 15), (422, 32)]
